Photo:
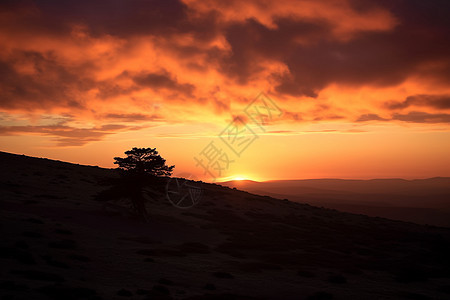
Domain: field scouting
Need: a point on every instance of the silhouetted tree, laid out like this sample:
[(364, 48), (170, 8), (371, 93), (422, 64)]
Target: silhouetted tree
[(143, 162), (141, 167)]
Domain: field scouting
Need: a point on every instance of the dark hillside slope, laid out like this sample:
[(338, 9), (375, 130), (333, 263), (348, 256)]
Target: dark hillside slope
[(59, 243)]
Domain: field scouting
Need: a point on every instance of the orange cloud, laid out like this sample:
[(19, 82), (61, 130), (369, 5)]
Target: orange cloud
[(148, 64)]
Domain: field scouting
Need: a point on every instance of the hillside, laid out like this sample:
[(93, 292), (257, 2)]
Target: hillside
[(423, 201), (59, 243)]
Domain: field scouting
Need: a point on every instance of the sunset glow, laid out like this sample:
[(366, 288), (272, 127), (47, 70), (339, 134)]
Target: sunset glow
[(362, 86), (236, 178)]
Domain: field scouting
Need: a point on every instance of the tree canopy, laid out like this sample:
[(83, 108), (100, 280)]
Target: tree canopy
[(144, 161)]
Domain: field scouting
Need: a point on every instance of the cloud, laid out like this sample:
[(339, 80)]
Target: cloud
[(432, 101), (266, 13), (328, 117), (370, 117), (163, 80), (120, 18), (65, 135), (411, 117), (134, 117), (30, 80), (295, 116), (103, 61), (315, 56), (422, 117)]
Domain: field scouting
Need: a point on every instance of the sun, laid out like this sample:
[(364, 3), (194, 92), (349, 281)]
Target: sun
[(239, 178)]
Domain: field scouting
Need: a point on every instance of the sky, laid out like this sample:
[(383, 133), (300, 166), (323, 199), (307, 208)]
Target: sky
[(262, 90)]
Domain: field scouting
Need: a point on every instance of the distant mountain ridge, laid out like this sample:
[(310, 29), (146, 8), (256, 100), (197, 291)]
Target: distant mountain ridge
[(425, 201)]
